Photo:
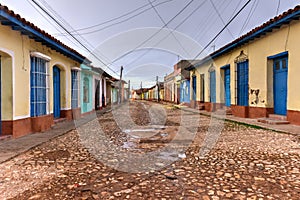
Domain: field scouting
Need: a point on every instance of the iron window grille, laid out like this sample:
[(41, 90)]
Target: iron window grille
[(39, 87)]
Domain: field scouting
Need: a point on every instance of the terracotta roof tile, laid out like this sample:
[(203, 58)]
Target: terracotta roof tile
[(256, 29), (17, 16)]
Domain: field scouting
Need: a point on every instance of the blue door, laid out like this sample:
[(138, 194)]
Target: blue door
[(56, 92), (227, 86), (212, 85), (280, 85), (185, 92), (194, 85), (242, 84)]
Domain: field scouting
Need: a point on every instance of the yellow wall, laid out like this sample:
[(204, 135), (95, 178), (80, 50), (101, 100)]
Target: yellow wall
[(260, 68), (21, 46)]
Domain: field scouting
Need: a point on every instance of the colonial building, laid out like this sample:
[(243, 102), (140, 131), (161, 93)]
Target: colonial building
[(39, 77), (256, 75), (177, 83)]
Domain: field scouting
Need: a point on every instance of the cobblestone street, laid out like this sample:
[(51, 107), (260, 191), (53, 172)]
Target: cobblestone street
[(245, 163)]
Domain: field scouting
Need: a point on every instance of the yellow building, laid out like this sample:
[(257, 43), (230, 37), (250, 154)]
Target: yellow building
[(39, 77), (256, 75)]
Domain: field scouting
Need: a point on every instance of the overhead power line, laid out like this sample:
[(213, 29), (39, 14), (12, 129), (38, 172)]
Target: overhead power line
[(51, 22), (68, 26), (250, 14), (116, 23), (163, 21), (116, 18), (157, 32), (69, 33), (217, 35), (181, 23), (219, 15)]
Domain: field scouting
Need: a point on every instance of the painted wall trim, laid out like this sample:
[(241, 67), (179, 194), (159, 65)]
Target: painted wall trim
[(75, 68), (40, 55), (225, 66), (21, 117), (283, 54)]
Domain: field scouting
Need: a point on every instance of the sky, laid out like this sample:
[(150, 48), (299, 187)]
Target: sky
[(146, 37)]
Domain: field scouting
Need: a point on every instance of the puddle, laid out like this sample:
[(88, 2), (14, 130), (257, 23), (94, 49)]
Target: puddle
[(129, 145), (171, 156), (145, 132)]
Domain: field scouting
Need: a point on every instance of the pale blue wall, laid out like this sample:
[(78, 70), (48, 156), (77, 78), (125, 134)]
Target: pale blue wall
[(86, 89)]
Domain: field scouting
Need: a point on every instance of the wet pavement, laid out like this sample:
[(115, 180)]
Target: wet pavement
[(159, 152)]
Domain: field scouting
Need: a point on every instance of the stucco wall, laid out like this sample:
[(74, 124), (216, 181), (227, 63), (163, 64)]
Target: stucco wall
[(20, 47), (260, 68)]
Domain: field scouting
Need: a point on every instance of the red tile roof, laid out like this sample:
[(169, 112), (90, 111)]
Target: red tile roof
[(276, 22), (24, 21)]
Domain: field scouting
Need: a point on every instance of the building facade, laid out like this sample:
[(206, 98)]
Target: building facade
[(40, 75), (256, 75)]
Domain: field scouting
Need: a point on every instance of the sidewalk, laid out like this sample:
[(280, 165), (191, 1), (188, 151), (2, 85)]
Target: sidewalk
[(285, 128), (13, 147)]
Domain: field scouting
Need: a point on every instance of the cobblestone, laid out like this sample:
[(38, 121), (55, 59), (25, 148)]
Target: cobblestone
[(245, 163)]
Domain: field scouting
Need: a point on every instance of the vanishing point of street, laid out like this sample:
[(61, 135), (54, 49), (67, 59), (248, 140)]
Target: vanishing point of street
[(245, 163)]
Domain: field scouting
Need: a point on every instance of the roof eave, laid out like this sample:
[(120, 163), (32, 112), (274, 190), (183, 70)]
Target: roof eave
[(17, 25)]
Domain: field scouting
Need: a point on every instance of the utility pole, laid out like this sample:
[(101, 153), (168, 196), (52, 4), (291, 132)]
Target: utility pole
[(157, 85), (142, 94), (129, 91), (120, 86)]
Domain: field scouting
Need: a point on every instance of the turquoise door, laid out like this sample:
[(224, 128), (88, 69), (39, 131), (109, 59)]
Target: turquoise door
[(56, 92), (227, 87), (212, 85), (280, 85)]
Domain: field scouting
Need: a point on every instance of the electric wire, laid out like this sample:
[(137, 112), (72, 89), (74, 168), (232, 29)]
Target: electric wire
[(122, 21), (182, 22), (157, 32), (250, 14), (115, 18), (66, 24), (163, 21), (221, 18), (67, 31), (208, 24), (217, 35), (278, 6), (46, 18)]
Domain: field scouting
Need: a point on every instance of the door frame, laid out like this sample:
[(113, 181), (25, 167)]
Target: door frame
[(212, 86), (194, 86), (227, 94), (56, 92), (242, 97), (279, 108)]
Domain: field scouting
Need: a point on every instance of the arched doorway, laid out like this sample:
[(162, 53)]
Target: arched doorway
[(6, 93), (56, 92)]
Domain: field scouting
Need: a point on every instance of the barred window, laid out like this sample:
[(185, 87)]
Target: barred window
[(38, 87), (75, 88), (86, 89)]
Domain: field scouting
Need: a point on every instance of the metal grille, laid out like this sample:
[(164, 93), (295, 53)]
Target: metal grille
[(75, 88), (38, 87)]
